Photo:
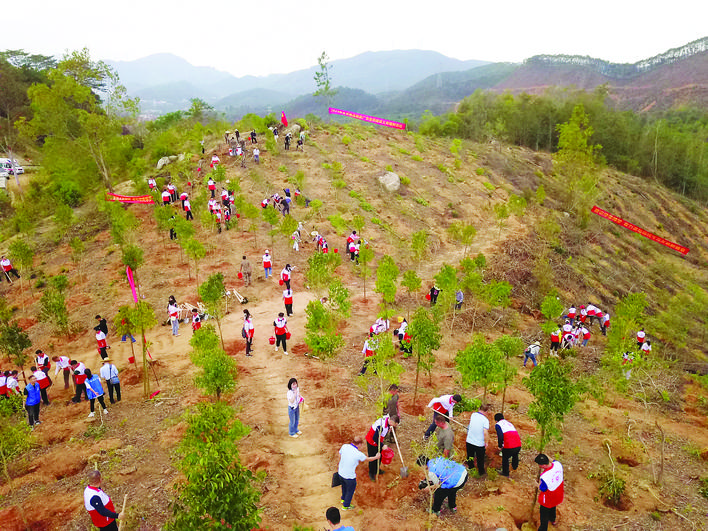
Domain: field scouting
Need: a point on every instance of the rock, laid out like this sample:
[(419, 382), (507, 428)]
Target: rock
[(129, 470), (390, 181), (180, 157), (172, 158), (164, 161)]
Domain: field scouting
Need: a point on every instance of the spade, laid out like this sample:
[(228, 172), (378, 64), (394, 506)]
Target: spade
[(404, 468)]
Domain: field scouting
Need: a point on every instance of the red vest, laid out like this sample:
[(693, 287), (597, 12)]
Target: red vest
[(555, 336), (280, 327), (288, 300), (98, 520), (511, 436), (553, 478)]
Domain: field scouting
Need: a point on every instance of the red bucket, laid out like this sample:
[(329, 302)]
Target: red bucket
[(281, 282), (387, 456), (240, 275), (336, 250), (427, 296), (131, 359), (271, 340), (287, 335)]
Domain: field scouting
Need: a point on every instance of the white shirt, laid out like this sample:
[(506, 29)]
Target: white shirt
[(108, 371), (534, 349), (256, 152), (475, 430), (12, 385), (294, 397), (62, 363), (350, 458)]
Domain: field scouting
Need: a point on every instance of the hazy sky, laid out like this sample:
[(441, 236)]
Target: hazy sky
[(274, 36)]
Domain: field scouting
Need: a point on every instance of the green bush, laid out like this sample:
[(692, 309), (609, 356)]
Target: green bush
[(366, 206), (346, 140), (611, 488), (405, 180), (417, 158), (480, 171), (703, 487), (421, 201), (389, 167), (282, 169)]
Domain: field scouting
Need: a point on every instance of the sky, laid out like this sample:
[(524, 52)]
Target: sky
[(277, 36)]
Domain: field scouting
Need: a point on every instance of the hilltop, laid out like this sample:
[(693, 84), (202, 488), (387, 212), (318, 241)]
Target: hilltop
[(442, 182)]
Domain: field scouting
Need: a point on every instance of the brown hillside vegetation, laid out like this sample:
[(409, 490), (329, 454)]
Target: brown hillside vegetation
[(684, 82), (542, 248)]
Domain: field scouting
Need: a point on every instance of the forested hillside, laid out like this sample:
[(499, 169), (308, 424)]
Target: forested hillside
[(493, 201)]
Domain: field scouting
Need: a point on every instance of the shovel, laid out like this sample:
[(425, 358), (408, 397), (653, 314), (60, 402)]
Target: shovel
[(404, 468)]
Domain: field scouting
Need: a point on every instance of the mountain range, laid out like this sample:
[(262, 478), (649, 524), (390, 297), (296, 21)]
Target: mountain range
[(404, 83)]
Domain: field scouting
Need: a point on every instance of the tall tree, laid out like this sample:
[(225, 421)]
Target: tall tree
[(480, 363), (323, 79), (425, 338), (212, 293)]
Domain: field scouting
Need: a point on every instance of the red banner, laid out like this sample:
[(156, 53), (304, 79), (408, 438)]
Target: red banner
[(367, 118), (144, 199), (627, 225)]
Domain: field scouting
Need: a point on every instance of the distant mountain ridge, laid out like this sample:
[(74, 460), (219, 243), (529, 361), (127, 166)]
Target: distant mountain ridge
[(154, 76)]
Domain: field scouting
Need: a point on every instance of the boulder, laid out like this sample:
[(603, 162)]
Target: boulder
[(164, 161), (390, 181)]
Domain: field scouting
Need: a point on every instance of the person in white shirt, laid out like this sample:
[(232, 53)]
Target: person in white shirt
[(256, 155), (109, 373), (478, 438), (442, 405), (173, 312), (294, 401), (62, 363), (350, 457)]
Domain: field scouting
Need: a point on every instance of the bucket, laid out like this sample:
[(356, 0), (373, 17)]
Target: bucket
[(281, 282), (131, 359), (427, 296), (271, 340), (287, 335), (387, 456), (240, 275), (336, 251)]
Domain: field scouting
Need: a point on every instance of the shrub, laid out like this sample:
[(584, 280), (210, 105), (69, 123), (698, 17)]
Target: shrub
[(346, 140), (405, 180), (421, 201), (417, 158), (283, 169), (389, 167), (611, 488), (480, 171)]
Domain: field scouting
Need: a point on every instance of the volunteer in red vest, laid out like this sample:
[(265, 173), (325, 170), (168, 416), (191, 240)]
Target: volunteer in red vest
[(172, 189), (605, 323), (42, 362), (101, 342), (572, 312), (442, 405), (79, 370), (8, 269), (99, 504), (627, 359), (3, 383), (377, 432), (196, 320), (165, 197), (288, 300), (509, 441), (152, 184), (285, 275), (369, 349), (646, 348), (183, 197), (248, 331), (555, 340), (13, 386), (591, 313), (211, 185), (281, 332), (641, 336), (44, 383), (551, 489), (63, 364), (188, 210), (267, 264), (586, 335), (583, 314)]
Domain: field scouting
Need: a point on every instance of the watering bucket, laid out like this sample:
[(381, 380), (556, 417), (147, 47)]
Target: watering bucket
[(287, 335), (131, 359), (387, 456), (427, 296), (240, 275), (281, 282), (271, 340)]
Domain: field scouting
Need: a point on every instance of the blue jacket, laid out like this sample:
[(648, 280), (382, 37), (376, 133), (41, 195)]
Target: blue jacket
[(93, 387), (33, 394), (448, 472)]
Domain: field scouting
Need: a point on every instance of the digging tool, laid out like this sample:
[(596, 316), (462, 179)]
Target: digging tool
[(241, 298), (404, 468), (448, 418), (120, 525)]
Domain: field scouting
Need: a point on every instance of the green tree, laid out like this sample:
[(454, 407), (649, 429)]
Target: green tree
[(194, 250), (53, 305), (555, 394), (142, 316), (339, 298), (462, 233), (425, 338), (509, 346), (552, 309), (386, 276), (272, 217), (16, 436), (218, 492), (22, 255), (321, 267), (321, 335), (446, 281), (323, 79), (480, 363), (14, 342), (419, 245), (576, 162), (217, 370), (212, 293)]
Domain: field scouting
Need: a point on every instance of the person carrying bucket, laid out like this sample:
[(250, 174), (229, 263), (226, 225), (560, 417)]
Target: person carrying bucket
[(377, 432)]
